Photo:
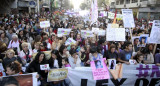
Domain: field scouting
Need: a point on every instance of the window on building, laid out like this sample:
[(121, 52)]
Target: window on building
[(112, 3), (121, 1), (134, 1), (127, 1), (117, 2), (143, 0)]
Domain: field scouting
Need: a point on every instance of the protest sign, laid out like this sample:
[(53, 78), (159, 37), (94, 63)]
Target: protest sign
[(21, 80), (155, 32), (44, 24), (101, 32), (119, 16), (44, 67), (70, 41), (115, 34), (57, 74), (63, 32), (99, 69), (112, 63), (41, 19), (133, 75), (86, 33), (131, 61), (128, 19), (143, 40), (95, 30), (114, 25), (111, 15)]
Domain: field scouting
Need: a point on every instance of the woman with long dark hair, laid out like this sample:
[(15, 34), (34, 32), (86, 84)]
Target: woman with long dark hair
[(55, 61)]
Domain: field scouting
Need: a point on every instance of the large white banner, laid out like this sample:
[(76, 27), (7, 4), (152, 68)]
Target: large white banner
[(133, 75), (128, 19), (155, 32)]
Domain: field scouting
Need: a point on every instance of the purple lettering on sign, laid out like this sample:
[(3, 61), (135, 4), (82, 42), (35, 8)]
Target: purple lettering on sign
[(155, 69), (141, 69)]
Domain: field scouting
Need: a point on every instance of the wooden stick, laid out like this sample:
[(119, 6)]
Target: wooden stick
[(154, 50), (131, 39)]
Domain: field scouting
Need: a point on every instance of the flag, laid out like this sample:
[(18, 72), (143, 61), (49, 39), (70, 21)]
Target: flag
[(94, 11), (114, 21)]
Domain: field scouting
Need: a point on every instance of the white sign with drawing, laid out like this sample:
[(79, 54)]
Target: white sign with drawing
[(115, 34), (128, 19), (155, 32), (44, 24)]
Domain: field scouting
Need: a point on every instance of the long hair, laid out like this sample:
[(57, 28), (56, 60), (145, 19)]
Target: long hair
[(37, 57)]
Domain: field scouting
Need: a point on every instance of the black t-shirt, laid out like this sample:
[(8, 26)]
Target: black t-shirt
[(109, 55)]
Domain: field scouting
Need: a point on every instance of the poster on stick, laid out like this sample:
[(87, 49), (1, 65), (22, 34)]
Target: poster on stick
[(99, 69), (128, 19), (115, 34), (155, 32)]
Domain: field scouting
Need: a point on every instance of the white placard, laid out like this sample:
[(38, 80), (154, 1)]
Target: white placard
[(115, 34), (111, 15), (63, 32), (101, 32), (86, 33), (70, 41), (95, 30), (128, 19), (155, 32), (131, 61), (44, 67), (44, 24)]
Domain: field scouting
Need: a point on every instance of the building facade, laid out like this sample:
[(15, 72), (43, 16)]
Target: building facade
[(141, 8)]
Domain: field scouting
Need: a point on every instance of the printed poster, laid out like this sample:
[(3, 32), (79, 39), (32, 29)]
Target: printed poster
[(63, 32), (20, 80), (44, 24), (99, 69), (57, 74), (44, 67), (143, 40), (112, 64), (101, 32), (128, 19), (155, 32), (70, 41), (86, 33)]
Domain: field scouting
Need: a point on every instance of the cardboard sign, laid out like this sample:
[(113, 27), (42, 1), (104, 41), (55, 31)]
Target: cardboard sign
[(70, 41), (86, 33), (99, 69), (128, 19), (114, 25), (155, 32), (101, 32), (57, 74), (115, 34), (63, 32), (44, 67), (44, 24), (95, 30)]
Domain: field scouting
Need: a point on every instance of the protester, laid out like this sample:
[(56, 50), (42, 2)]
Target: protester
[(126, 54), (13, 68), (74, 59), (10, 57)]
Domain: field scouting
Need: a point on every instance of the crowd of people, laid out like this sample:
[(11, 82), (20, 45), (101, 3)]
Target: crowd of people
[(24, 44)]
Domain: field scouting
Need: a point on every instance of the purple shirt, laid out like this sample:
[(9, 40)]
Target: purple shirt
[(157, 58), (67, 65)]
